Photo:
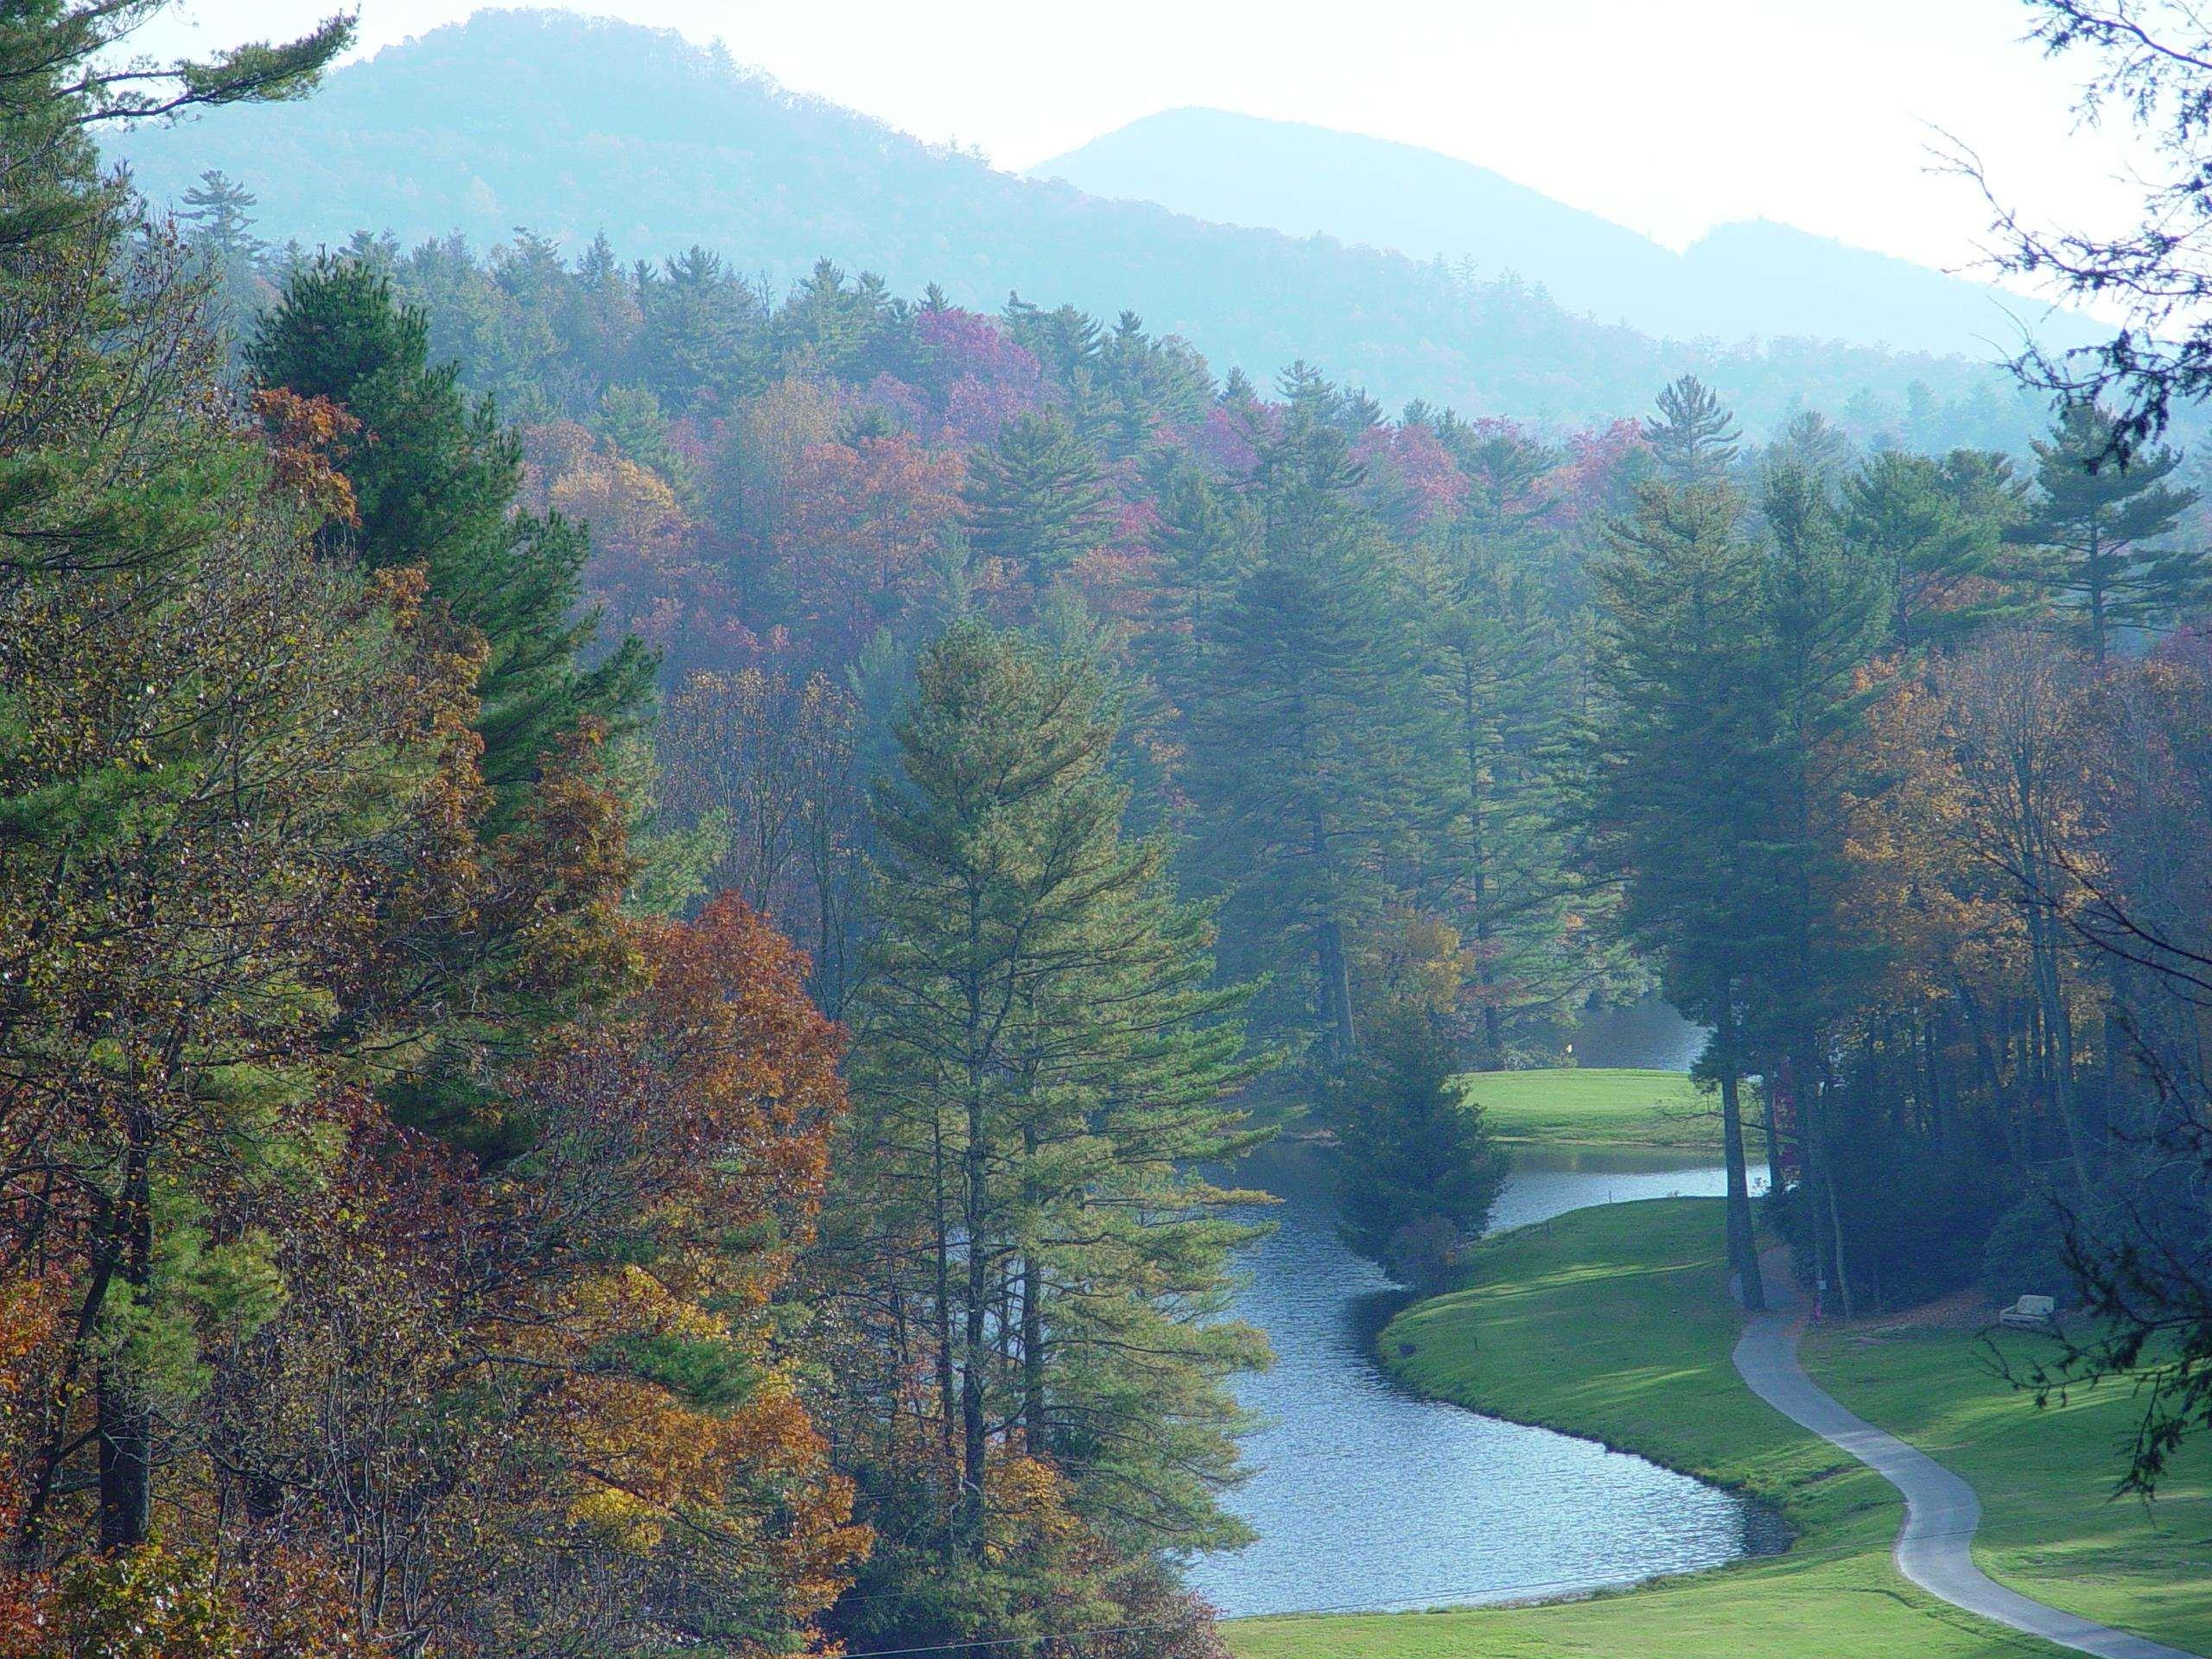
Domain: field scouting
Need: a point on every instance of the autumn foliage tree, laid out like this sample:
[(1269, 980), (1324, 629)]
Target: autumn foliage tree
[(280, 1373)]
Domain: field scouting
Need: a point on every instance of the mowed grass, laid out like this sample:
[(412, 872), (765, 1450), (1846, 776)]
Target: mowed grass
[(1599, 1107), (2051, 1525), (1615, 1323)]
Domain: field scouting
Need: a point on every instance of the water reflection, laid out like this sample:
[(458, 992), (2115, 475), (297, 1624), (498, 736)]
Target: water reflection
[(1367, 1497)]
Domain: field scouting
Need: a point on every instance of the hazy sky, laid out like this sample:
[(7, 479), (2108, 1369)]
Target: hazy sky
[(1668, 116)]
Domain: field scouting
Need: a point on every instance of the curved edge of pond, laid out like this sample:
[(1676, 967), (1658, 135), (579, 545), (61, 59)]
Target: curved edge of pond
[(1768, 1532)]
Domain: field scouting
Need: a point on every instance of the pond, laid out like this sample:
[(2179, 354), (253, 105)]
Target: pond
[(1366, 1498)]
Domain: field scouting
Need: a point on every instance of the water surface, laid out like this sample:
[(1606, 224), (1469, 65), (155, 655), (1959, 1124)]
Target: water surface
[(1368, 1498)]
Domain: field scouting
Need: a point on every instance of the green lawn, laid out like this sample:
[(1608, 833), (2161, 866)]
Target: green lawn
[(1600, 1107), (2051, 1525), (1614, 1323)]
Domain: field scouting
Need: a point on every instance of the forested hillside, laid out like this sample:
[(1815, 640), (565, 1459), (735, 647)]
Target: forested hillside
[(642, 915), (1412, 695), (569, 127)]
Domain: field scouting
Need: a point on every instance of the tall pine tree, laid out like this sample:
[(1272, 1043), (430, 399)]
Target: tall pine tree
[(1042, 1055), (1314, 742), (2097, 522), (1681, 804), (435, 478), (1035, 496)]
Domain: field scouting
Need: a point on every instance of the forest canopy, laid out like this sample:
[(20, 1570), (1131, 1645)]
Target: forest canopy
[(645, 912)]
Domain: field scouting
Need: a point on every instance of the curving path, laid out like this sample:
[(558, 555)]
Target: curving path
[(1941, 1510)]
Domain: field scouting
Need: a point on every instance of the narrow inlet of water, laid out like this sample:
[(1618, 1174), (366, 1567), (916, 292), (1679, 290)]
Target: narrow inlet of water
[(1367, 1498)]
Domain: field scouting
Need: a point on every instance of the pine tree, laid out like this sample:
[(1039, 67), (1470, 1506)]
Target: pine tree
[(1825, 613), (1499, 670), (1692, 438), (702, 333), (1041, 1060), (2096, 522), (435, 478), (1035, 498), (221, 212), (1064, 340), (1420, 1170), (1935, 529), (1201, 537), (1313, 752), (1681, 802)]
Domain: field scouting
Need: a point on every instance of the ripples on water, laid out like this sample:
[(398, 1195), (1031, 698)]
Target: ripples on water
[(1366, 1498)]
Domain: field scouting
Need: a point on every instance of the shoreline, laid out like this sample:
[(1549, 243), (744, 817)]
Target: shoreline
[(1614, 1326)]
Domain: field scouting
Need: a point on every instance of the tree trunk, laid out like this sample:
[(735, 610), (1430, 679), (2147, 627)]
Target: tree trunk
[(1822, 1194), (947, 1374), (1485, 924), (976, 1354), (124, 1422), (1337, 1035), (1032, 1354), (1742, 1238)]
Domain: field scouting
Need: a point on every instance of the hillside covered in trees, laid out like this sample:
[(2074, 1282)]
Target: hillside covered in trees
[(643, 915), (570, 127)]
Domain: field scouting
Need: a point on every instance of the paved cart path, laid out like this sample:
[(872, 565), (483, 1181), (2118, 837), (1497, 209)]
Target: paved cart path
[(1934, 1545)]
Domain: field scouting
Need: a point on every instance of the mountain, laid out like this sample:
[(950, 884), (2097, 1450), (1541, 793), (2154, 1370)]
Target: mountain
[(1756, 278), (1306, 180), (569, 126)]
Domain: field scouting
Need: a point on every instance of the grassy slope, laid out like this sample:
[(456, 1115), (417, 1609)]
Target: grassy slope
[(1615, 1323), (1600, 1107), (2051, 1524)]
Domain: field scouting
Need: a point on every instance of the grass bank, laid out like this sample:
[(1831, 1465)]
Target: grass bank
[(1601, 1107), (1615, 1323)]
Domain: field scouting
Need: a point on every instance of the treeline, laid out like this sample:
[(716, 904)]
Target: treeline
[(1411, 695), (415, 1160), (439, 1211), (1892, 762), (602, 123)]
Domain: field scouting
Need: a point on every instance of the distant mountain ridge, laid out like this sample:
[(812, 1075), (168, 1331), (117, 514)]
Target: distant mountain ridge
[(1751, 278), (567, 126)]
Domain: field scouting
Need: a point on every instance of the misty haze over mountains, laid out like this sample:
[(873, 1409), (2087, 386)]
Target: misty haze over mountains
[(1748, 278), (567, 127)]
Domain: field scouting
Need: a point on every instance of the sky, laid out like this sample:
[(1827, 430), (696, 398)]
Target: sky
[(1666, 116)]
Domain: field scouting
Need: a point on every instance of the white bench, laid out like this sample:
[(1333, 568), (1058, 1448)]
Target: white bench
[(2030, 1314)]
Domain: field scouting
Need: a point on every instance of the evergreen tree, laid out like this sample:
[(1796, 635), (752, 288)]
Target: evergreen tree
[(1810, 441), (1201, 537), (630, 422), (1499, 670), (1063, 339), (217, 216), (221, 212), (1420, 1170), (1308, 396), (599, 320), (1041, 1062), (1035, 498), (1680, 805), (2096, 521), (1692, 438), (703, 334), (435, 478), (1313, 754), (1935, 529), (1825, 613)]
